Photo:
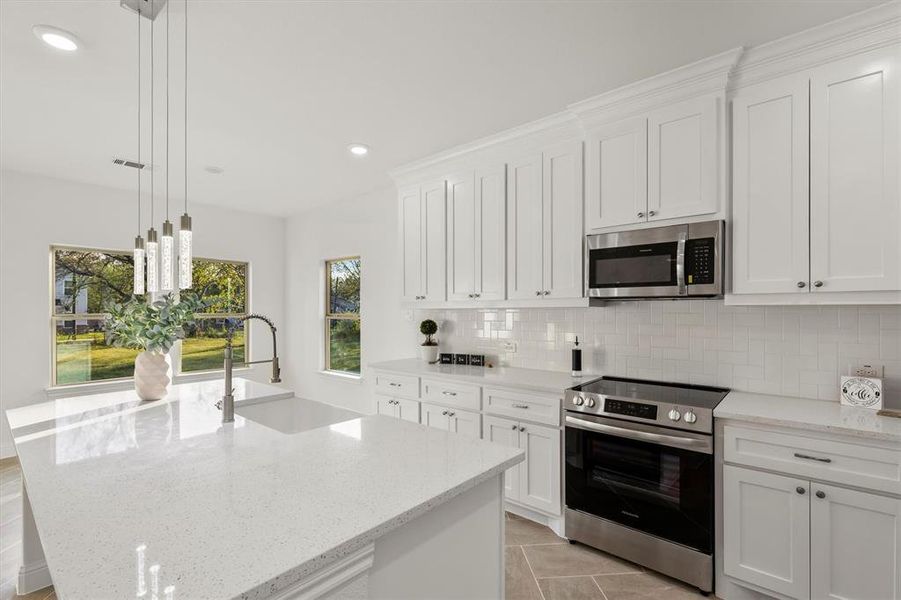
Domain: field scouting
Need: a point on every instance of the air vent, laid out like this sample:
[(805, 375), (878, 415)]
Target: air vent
[(128, 163)]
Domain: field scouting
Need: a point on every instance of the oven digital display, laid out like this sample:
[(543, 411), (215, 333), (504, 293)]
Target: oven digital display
[(631, 409)]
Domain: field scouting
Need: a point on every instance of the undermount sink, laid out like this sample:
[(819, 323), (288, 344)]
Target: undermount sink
[(293, 415)]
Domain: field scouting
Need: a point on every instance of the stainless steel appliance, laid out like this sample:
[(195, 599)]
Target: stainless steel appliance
[(678, 261), (638, 473)]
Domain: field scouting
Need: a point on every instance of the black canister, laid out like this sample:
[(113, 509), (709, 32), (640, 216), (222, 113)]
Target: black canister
[(577, 360)]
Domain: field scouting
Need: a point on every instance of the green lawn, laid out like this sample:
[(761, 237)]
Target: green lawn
[(88, 358)]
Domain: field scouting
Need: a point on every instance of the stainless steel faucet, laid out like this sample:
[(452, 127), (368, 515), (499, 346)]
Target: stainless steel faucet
[(227, 404)]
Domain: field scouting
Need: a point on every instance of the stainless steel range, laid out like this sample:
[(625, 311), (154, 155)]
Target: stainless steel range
[(639, 473)]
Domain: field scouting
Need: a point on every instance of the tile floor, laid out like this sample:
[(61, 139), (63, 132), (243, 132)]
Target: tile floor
[(540, 565)]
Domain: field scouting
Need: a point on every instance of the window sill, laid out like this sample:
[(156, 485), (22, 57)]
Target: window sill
[(100, 387), (349, 377)]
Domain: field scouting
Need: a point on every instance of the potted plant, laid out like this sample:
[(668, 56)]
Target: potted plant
[(429, 349), (152, 328)]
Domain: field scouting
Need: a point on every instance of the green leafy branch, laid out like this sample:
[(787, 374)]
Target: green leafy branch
[(154, 327)]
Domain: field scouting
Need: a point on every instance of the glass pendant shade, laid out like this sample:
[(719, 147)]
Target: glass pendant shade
[(139, 266), (185, 254), (166, 258), (153, 281)]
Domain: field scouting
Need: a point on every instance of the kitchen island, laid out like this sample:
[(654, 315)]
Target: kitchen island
[(135, 499)]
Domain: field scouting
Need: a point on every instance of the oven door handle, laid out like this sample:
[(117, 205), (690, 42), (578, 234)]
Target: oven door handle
[(674, 441)]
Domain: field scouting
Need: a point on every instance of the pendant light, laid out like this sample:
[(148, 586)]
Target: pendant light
[(153, 282), (166, 243), (185, 242), (138, 285)]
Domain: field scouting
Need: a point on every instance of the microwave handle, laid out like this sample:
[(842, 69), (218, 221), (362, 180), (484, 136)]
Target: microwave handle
[(680, 263)]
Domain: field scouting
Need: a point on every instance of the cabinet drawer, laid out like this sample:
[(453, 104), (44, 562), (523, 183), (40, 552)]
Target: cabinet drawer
[(871, 467), (399, 386), (459, 395), (522, 405)]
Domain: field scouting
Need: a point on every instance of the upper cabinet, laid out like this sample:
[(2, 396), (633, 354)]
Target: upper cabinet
[(544, 224), (815, 182), (422, 220), (616, 157)]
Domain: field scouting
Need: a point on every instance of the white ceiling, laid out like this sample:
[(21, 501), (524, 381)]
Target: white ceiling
[(277, 89)]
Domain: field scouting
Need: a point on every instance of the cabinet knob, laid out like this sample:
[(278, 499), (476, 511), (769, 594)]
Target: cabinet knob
[(514, 428), (641, 215), (821, 494), (472, 295), (444, 413), (800, 490), (451, 414), (817, 284), (522, 428), (651, 213), (547, 292), (802, 284), (537, 293)]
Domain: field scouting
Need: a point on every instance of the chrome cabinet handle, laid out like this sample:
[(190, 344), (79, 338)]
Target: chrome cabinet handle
[(800, 490), (547, 292), (446, 393), (641, 215), (651, 213), (809, 457), (521, 406), (451, 414), (821, 494), (444, 413), (802, 284), (477, 295), (521, 428), (514, 427), (817, 284), (537, 292), (471, 296), (392, 384)]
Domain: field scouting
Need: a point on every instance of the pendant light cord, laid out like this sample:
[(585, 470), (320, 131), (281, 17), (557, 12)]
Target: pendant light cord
[(186, 106), (152, 197), (167, 111), (139, 121)]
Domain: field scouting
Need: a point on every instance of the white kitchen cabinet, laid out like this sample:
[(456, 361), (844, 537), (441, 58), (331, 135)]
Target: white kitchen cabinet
[(432, 415), (476, 230), (855, 544), (770, 194), (616, 158), (854, 187), (544, 224), (399, 408), (683, 165), (454, 420), (537, 479), (766, 530), (423, 214)]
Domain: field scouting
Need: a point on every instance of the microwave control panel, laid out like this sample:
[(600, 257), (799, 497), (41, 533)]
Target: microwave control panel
[(700, 261)]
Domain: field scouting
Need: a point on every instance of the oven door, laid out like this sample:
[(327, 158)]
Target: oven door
[(637, 264), (634, 475)]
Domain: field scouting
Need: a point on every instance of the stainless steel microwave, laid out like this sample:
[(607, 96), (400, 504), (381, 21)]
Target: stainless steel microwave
[(678, 261)]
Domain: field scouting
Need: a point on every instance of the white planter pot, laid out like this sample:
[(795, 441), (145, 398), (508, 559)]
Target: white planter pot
[(153, 374), (428, 353)]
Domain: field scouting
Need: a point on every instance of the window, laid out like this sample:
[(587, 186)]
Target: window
[(342, 315), (85, 280)]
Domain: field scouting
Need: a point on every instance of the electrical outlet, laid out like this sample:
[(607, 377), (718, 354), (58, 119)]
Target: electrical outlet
[(508, 346), (865, 370)]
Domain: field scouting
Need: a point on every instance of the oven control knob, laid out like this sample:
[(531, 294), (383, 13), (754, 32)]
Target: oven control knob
[(674, 415), (578, 401), (589, 402), (690, 417)]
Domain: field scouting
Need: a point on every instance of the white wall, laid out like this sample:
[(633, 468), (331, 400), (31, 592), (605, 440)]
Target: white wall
[(36, 212), (365, 226)]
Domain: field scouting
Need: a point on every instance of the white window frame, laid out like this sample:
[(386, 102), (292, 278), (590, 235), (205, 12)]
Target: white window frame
[(329, 316)]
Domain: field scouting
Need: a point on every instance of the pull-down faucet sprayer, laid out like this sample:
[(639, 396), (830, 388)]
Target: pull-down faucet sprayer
[(227, 403)]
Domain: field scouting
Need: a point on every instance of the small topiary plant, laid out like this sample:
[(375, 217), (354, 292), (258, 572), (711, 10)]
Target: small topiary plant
[(428, 328)]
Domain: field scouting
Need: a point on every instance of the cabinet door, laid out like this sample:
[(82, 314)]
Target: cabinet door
[(854, 187), (434, 416), (682, 160), (524, 228), (539, 480), (411, 236), (490, 233), (506, 433), (855, 545), (766, 530), (461, 241), (408, 410), (562, 266), (465, 423), (434, 246), (385, 406), (616, 159), (770, 194)]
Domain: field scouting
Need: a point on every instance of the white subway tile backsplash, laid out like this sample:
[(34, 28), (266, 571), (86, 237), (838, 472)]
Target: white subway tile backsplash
[(791, 350)]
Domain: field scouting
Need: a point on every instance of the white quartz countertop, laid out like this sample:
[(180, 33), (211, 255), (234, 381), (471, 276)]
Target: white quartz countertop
[(233, 511), (536, 380), (805, 413)]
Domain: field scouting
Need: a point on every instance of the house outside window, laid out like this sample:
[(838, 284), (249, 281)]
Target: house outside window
[(342, 315)]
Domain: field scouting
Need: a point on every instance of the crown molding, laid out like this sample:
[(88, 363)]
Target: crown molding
[(706, 76), (860, 32)]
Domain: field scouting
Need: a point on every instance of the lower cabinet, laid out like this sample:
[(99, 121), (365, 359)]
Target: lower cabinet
[(455, 420), (804, 539), (534, 483), (399, 408)]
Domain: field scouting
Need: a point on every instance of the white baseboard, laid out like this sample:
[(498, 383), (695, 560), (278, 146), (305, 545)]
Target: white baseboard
[(7, 451), (554, 523), (32, 578)]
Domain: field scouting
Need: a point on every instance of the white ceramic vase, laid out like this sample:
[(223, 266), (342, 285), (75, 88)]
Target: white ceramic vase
[(153, 374), (429, 353)]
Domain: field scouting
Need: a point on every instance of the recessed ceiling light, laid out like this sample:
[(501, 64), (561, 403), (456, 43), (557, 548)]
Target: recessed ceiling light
[(56, 37), (358, 149)]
